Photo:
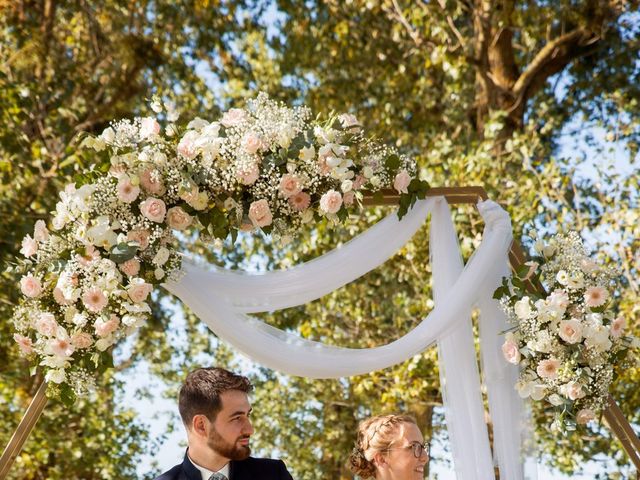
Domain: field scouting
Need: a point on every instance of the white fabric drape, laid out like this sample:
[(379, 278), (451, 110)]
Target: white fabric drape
[(459, 376), (221, 299)]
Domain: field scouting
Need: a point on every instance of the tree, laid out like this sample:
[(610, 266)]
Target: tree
[(481, 93)]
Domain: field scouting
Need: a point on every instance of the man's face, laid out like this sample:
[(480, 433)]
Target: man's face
[(230, 432)]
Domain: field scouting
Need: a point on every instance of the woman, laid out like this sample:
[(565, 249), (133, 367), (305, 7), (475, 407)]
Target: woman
[(389, 447)]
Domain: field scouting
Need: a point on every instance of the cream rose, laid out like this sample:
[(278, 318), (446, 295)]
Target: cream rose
[(331, 202), (570, 331), (178, 219), (260, 214), (139, 290), (30, 286), (585, 416), (511, 352)]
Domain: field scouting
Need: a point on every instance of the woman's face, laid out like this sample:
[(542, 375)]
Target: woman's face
[(400, 461)]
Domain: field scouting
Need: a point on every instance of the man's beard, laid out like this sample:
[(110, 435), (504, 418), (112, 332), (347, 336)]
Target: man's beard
[(226, 449)]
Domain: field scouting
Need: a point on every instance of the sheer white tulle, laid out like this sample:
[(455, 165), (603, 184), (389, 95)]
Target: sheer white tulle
[(221, 298)]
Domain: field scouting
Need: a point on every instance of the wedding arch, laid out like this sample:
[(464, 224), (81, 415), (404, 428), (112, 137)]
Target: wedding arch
[(270, 168)]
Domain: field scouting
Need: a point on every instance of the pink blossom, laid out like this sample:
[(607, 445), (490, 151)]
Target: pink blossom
[(141, 236), (617, 327), (572, 390), (154, 209), (29, 246), (585, 416), (248, 174), (149, 126), (94, 300), (60, 347), (59, 297), (401, 182), (349, 198), (233, 117), (595, 296), (260, 214), (81, 340), (349, 121), (106, 328), (187, 146), (151, 182), (252, 143), (127, 192), (139, 291), (178, 219), (359, 182), (331, 202), (511, 352), (117, 170), (25, 343), (46, 324), (548, 368), (570, 331), (290, 185), (300, 201), (40, 232), (30, 286), (91, 254), (131, 267)]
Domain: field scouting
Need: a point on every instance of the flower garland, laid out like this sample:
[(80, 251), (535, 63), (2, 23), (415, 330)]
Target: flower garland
[(568, 341), (86, 280)]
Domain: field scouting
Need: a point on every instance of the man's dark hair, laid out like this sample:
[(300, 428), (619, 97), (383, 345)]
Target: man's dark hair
[(200, 393)]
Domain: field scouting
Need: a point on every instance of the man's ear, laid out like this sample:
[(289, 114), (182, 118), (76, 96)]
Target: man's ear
[(200, 425)]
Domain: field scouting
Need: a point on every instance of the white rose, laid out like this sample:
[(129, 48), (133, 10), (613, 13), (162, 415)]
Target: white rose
[(522, 308), (161, 256)]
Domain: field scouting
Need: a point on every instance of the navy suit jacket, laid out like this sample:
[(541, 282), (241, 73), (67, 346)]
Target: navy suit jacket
[(249, 469)]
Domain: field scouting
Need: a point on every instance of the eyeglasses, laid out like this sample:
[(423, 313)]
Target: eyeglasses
[(418, 449)]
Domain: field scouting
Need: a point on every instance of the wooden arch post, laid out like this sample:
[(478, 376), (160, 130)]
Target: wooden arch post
[(455, 196)]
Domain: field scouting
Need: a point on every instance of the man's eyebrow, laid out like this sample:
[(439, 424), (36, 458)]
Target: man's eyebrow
[(240, 412)]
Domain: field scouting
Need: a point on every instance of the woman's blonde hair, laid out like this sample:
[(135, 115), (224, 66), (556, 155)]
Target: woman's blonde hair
[(375, 434)]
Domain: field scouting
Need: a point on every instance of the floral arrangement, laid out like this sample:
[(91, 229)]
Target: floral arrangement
[(86, 279), (567, 341)]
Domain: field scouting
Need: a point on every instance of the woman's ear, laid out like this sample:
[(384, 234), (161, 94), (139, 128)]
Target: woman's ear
[(379, 460)]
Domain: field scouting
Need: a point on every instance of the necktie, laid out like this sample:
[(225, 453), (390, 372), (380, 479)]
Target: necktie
[(218, 476)]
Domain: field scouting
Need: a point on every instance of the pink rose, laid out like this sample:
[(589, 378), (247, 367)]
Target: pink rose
[(130, 268), (149, 127), (572, 390), (151, 182), (402, 181), (46, 325), (511, 352), (259, 213), (127, 192), (595, 296), (94, 300), (300, 201), (252, 143), (617, 327), (233, 117), (331, 202), (248, 174), (154, 209), (187, 146), (81, 340), (25, 344), (570, 331), (40, 232), (548, 368), (178, 219), (29, 246), (290, 185), (585, 416), (139, 291), (359, 182), (349, 198), (30, 286), (140, 236), (103, 328)]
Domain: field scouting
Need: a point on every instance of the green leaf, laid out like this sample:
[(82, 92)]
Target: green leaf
[(123, 251), (67, 395), (392, 162)]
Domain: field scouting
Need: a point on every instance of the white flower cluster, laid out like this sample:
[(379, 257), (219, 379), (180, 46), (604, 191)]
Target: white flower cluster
[(565, 341), (87, 281)]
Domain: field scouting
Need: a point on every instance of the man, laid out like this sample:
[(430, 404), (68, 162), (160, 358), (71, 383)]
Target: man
[(215, 410)]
